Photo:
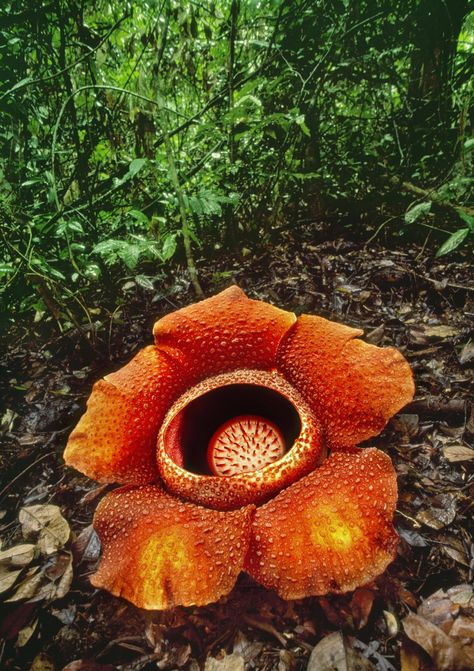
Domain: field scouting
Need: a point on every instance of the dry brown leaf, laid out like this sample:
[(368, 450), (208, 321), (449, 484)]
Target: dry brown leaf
[(414, 658), (42, 663), (458, 453), (334, 653), (18, 555), (231, 662), (25, 634), (423, 333), (467, 353), (458, 555), (361, 606), (47, 522), (8, 578), (445, 651), (28, 586)]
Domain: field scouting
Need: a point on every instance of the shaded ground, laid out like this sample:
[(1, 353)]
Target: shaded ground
[(403, 297)]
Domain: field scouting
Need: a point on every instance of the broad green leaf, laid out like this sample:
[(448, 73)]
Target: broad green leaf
[(453, 241), (169, 247), (129, 254), (467, 218), (138, 216), (136, 165), (417, 211)]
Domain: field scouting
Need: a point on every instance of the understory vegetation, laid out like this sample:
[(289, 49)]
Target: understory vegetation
[(144, 136)]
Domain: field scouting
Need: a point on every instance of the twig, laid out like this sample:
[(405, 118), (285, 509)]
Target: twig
[(20, 475), (437, 407), (265, 626)]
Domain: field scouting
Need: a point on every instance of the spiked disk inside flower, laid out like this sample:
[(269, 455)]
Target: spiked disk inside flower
[(244, 444)]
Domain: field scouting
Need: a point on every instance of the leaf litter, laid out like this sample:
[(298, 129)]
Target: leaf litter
[(418, 615)]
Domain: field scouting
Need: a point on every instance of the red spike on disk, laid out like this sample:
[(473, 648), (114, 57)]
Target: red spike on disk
[(244, 444)]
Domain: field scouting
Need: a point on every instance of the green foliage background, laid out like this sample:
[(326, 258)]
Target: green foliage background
[(139, 134)]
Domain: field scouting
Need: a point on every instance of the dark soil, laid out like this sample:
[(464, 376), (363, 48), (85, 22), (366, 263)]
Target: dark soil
[(400, 297)]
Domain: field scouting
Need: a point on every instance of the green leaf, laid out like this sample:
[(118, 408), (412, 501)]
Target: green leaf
[(6, 269), (469, 144), (169, 247), (417, 211), (453, 241), (145, 282), (300, 120), (138, 216), (467, 218), (136, 165)]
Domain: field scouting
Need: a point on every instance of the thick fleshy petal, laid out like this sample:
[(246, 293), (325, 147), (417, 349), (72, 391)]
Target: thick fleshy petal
[(226, 332), (159, 552), (331, 531), (115, 440), (352, 387)]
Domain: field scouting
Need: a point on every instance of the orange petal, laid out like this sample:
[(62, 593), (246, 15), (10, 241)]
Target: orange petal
[(159, 552), (352, 387), (223, 333), (331, 531), (115, 440)]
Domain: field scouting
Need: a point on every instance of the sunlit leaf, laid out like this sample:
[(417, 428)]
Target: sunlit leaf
[(453, 241), (417, 211)]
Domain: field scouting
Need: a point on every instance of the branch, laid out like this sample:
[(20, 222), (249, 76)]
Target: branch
[(431, 194)]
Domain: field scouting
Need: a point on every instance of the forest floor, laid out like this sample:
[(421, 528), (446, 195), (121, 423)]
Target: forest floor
[(418, 616)]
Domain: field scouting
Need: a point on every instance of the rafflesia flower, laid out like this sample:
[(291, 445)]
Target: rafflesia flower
[(221, 431)]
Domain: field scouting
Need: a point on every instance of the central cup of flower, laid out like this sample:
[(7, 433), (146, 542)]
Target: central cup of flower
[(237, 438), (244, 444)]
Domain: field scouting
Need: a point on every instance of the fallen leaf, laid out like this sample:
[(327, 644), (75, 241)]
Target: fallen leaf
[(441, 512), (42, 663), (361, 605), (467, 353), (18, 555), (58, 579), (249, 650), (335, 653), (414, 658), (443, 649), (458, 453), (8, 578), (231, 662), (458, 555), (391, 623), (25, 634), (46, 521), (87, 545), (423, 333), (28, 586)]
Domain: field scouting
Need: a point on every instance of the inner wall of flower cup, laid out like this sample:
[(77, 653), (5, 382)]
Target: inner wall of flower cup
[(195, 425)]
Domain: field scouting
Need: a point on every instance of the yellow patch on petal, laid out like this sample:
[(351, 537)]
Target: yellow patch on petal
[(165, 559), (159, 552), (329, 532), (330, 529)]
